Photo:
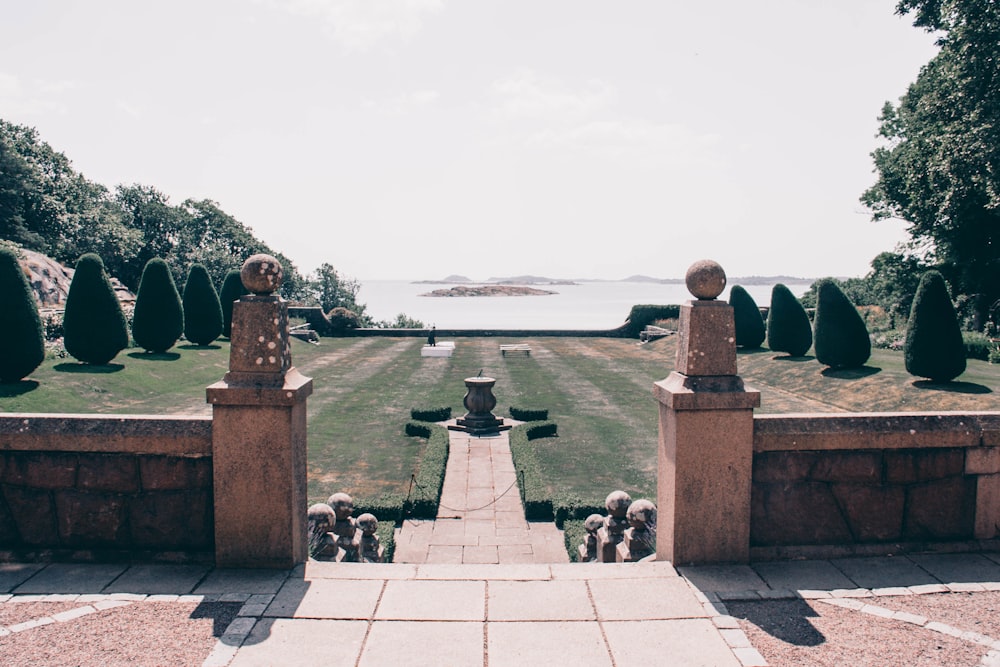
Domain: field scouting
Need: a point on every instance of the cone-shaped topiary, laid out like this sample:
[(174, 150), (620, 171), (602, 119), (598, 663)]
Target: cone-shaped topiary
[(232, 289), (202, 309), (21, 337), (94, 327), (842, 339), (934, 347), (788, 327), (749, 324), (158, 320)]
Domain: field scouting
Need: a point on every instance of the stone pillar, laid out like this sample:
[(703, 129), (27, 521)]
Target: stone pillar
[(259, 433), (706, 435)]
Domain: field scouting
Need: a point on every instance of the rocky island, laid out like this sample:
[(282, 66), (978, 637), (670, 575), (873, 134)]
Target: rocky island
[(489, 290)]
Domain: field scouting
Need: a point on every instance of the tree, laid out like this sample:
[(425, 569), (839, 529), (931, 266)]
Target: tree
[(202, 309), (939, 169), (842, 339), (21, 337), (232, 289), (788, 327), (750, 331), (94, 326), (934, 347), (332, 290), (158, 319)]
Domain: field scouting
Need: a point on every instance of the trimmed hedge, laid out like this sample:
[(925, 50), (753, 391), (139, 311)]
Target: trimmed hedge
[(202, 308), (750, 332), (21, 336), (94, 326), (430, 414), (842, 339), (934, 347), (642, 315), (534, 492), (526, 415), (158, 318), (788, 326), (543, 430), (977, 345), (415, 430), (231, 290)]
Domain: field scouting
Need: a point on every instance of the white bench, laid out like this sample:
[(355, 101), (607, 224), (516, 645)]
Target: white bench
[(516, 347)]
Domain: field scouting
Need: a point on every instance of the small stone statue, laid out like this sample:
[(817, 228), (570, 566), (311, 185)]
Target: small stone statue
[(371, 550), (613, 531), (322, 542), (344, 528), (640, 538), (588, 549)]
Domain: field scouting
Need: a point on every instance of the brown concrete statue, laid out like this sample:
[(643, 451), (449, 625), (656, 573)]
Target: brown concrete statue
[(371, 550)]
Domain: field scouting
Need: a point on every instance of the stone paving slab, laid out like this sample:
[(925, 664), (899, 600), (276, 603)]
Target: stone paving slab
[(13, 575), (644, 599), (281, 641), (802, 575), (597, 571), (435, 600), (159, 579), (723, 578), (965, 568), (343, 599), (334, 570), (883, 571), (688, 642), (244, 581), (539, 601), (522, 572), (557, 643), (78, 578), (423, 644)]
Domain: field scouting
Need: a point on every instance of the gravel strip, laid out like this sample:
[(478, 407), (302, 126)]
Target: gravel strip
[(141, 634), (975, 612), (802, 632)]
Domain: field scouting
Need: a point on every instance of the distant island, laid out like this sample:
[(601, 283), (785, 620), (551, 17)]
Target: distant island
[(542, 280), (488, 290)]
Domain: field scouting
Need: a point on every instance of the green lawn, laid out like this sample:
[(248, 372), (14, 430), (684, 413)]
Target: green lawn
[(598, 391)]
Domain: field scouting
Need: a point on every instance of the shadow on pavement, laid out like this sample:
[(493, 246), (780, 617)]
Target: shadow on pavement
[(787, 620)]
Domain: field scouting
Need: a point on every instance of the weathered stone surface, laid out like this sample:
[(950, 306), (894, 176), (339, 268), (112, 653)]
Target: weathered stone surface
[(705, 279), (982, 460), (173, 519), (52, 470), (706, 339), (848, 467), (796, 513), (161, 473), (874, 512), (872, 430), (134, 434), (34, 513), (907, 466), (8, 528), (91, 519), (107, 472), (941, 510), (781, 467)]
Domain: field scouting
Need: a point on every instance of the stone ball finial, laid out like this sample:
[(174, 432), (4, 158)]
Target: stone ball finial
[(261, 274), (705, 279), (617, 504), (342, 504), (593, 522), (641, 512), (321, 517), (367, 523)]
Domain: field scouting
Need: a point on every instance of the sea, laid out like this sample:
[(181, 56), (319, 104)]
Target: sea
[(582, 305)]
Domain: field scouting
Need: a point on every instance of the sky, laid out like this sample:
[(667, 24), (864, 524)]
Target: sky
[(414, 139)]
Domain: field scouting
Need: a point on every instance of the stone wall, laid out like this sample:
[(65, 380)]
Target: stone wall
[(874, 483), (101, 488)]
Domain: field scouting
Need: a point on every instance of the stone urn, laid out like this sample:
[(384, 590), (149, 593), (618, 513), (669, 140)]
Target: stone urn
[(480, 401)]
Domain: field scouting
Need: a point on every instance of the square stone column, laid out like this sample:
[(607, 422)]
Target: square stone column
[(259, 440), (705, 448)]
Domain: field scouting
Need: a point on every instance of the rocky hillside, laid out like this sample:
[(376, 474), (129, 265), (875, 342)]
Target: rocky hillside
[(50, 280)]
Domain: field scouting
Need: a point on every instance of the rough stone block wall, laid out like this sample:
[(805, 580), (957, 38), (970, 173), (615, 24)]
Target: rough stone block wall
[(847, 497)]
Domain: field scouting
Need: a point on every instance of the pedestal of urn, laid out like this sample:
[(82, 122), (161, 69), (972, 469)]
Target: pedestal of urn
[(479, 401)]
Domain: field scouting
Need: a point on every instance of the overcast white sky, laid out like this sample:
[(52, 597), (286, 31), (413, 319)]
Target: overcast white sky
[(411, 139)]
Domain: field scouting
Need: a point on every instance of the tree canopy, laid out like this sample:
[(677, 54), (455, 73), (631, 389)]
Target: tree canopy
[(939, 168)]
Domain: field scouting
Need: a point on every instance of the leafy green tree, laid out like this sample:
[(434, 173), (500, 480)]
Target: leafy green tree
[(202, 308), (94, 326), (21, 337), (158, 319), (939, 169), (750, 331), (333, 290), (788, 327), (842, 339), (934, 347), (232, 289)]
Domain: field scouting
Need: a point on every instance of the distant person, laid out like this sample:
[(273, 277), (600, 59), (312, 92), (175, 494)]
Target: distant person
[(431, 340)]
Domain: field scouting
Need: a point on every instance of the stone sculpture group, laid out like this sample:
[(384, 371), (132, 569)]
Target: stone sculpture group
[(627, 534), (335, 535)]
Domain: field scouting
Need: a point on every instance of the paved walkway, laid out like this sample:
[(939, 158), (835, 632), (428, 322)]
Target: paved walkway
[(480, 519), (559, 614)]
